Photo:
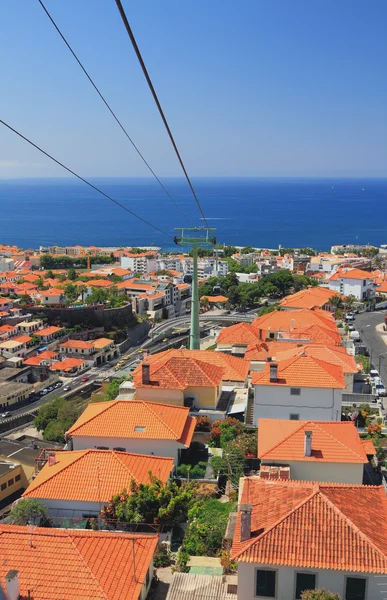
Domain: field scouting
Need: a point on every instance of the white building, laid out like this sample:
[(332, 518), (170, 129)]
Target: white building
[(314, 450), (133, 426), (6, 264), (301, 388), (353, 282), (292, 536), (144, 262)]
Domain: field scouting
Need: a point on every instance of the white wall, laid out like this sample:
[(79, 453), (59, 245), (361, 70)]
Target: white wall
[(322, 471), (167, 448), (67, 507), (286, 578), (317, 404), (352, 287)]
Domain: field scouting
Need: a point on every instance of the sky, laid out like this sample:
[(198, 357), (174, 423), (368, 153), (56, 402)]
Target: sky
[(252, 88)]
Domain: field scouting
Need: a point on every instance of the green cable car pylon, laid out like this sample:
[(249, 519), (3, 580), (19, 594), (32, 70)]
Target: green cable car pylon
[(196, 237)]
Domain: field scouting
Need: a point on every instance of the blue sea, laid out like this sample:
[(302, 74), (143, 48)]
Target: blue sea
[(258, 212)]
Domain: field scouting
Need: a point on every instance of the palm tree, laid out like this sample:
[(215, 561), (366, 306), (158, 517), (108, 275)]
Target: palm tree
[(335, 301), (82, 289), (349, 301)]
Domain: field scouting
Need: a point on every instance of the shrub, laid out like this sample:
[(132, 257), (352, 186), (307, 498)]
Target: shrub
[(379, 420), (229, 566), (192, 472), (182, 561), (204, 491), (203, 423), (29, 511), (374, 429), (162, 557), (207, 523), (319, 595)]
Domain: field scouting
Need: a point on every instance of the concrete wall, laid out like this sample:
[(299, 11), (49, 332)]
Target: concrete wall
[(167, 448), (334, 581), (17, 471), (205, 397), (319, 471), (276, 402)]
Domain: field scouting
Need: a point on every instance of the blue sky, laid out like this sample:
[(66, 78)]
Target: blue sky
[(251, 88)]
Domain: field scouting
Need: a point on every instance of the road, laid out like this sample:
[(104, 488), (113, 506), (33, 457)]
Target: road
[(366, 324)]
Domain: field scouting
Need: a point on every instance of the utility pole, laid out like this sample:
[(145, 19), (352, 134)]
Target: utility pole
[(198, 237)]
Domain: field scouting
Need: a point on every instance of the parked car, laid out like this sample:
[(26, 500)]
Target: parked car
[(355, 335), (5, 414), (67, 388), (58, 384), (51, 388), (374, 373), (349, 317), (44, 392), (380, 390), (85, 378)]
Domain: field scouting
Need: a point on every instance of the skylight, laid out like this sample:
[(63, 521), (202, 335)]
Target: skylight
[(139, 428)]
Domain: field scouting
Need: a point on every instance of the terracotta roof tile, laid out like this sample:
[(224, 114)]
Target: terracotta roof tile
[(48, 331), (303, 371), (351, 274), (54, 564), (287, 320), (120, 418), (241, 333), (112, 470), (329, 354), (331, 441), (314, 333), (177, 373), (234, 368), (310, 525), (67, 364), (309, 298)]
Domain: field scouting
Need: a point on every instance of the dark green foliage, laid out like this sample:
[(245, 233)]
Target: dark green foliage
[(57, 416), (29, 511), (207, 524), (48, 261), (192, 472)]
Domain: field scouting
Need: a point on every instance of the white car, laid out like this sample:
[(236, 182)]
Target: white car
[(6, 414), (349, 317), (374, 374), (380, 390)]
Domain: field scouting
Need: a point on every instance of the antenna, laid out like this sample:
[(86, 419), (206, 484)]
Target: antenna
[(134, 561)]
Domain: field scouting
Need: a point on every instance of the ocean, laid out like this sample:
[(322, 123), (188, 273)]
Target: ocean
[(293, 212)]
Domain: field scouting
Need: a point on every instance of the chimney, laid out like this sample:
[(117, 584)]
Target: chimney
[(273, 372), (245, 521), (268, 358), (308, 443), (260, 334), (12, 583), (51, 460), (146, 373)]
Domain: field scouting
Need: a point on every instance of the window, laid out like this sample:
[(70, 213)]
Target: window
[(139, 428), (265, 583), (271, 336), (304, 581), (17, 478), (3, 486), (295, 391), (294, 417), (119, 449), (102, 448), (147, 579), (10, 482), (355, 588)]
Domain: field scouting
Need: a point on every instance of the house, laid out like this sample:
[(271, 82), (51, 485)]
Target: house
[(294, 535), (310, 298), (278, 323), (96, 351), (353, 282), (193, 586), (52, 296), (193, 378), (7, 331), (12, 392), (79, 483), (314, 450), (41, 563), (47, 334), (12, 481), (237, 338), (133, 426), (13, 347), (302, 387), (69, 365), (215, 301), (313, 333), (29, 327)]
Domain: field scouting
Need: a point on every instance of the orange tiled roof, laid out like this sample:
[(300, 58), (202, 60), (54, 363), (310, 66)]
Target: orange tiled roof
[(52, 292), (77, 344), (329, 354), (309, 298), (303, 371), (332, 441), (101, 343), (351, 274), (311, 525), (119, 419), (48, 330), (67, 364), (216, 299), (179, 372), (240, 333), (79, 564), (234, 368), (99, 283), (287, 320), (262, 350), (314, 333), (113, 470), (23, 339)]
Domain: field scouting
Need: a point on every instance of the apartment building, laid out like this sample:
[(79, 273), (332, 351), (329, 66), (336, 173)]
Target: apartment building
[(353, 282), (144, 262)]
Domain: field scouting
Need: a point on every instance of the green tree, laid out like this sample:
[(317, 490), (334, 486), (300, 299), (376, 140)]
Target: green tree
[(231, 463), (72, 274), (207, 522), (71, 292), (114, 388), (267, 309), (166, 505), (320, 594), (25, 300), (247, 250), (49, 274), (48, 412), (82, 290), (35, 340), (28, 511)]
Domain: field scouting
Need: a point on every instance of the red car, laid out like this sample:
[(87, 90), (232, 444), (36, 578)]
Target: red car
[(85, 378)]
